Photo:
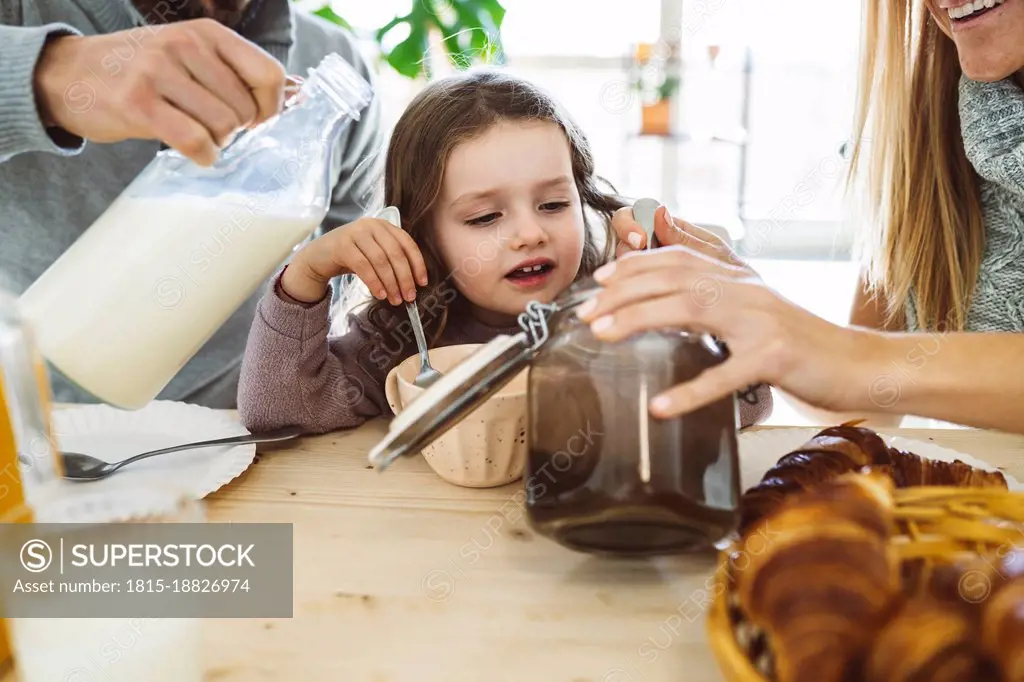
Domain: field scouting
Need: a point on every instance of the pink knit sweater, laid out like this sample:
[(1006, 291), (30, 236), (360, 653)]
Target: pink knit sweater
[(295, 373)]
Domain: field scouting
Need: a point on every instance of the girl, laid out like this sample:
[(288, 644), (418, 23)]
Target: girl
[(493, 182)]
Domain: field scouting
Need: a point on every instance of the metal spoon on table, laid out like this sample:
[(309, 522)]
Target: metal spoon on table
[(81, 467), (427, 374)]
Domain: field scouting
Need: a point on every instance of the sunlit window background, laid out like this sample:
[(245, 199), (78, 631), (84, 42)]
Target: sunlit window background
[(757, 125)]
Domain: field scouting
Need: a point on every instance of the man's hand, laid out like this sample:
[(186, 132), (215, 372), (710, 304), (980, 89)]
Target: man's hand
[(190, 85)]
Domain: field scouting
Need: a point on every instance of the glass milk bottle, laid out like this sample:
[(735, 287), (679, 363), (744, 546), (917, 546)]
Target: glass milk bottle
[(184, 246)]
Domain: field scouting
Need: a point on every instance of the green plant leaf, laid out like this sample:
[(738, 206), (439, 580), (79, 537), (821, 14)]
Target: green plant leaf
[(409, 56), (494, 8), (386, 28), (480, 37), (330, 15), (473, 33)]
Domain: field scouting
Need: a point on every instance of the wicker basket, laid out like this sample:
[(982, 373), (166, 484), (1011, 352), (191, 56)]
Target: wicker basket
[(934, 525)]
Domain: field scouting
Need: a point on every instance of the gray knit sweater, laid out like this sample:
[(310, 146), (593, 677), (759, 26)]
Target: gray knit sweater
[(53, 186), (992, 125)]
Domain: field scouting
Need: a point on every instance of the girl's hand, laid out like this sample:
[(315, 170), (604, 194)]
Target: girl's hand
[(770, 339), (383, 256), (672, 232)]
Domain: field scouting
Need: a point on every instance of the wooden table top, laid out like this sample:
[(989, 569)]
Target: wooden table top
[(401, 577)]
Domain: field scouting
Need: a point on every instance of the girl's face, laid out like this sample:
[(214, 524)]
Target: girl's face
[(509, 221), (989, 40)]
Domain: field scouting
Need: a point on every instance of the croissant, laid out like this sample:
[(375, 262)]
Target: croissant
[(927, 640), (1002, 617), (965, 621), (839, 534), (962, 584), (909, 469), (830, 453), (824, 592), (847, 448)]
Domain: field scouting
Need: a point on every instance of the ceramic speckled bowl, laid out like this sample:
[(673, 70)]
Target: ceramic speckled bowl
[(488, 447)]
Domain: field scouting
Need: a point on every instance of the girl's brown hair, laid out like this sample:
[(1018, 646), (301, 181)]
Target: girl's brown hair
[(443, 115), (926, 230)]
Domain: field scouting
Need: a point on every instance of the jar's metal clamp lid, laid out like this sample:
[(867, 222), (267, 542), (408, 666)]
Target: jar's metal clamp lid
[(458, 392)]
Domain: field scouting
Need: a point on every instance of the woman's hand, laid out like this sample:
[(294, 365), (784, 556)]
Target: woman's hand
[(383, 256), (770, 339)]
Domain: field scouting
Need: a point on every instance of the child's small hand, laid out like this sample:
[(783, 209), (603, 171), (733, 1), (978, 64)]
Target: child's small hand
[(384, 257), (672, 232)]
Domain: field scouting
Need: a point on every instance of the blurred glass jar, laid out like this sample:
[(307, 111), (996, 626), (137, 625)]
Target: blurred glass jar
[(30, 462)]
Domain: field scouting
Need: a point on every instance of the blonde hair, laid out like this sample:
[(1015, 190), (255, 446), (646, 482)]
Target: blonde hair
[(925, 230)]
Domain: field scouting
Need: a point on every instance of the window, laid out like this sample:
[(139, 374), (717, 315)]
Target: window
[(759, 125), (578, 28)]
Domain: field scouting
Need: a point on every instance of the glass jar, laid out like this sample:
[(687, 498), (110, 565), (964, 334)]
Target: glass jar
[(184, 246), (30, 460), (603, 475)]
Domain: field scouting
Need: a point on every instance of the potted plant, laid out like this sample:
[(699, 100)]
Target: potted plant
[(657, 83), (465, 32)]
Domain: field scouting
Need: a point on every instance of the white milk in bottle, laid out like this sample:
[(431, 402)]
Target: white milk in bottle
[(158, 299)]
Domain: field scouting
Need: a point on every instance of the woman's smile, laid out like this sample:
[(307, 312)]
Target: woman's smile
[(987, 34), (967, 14)]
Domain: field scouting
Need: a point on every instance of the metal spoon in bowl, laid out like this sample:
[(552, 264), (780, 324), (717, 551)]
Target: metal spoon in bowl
[(81, 467), (427, 374)]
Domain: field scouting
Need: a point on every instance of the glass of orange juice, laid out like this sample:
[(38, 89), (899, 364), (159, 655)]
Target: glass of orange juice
[(122, 649)]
